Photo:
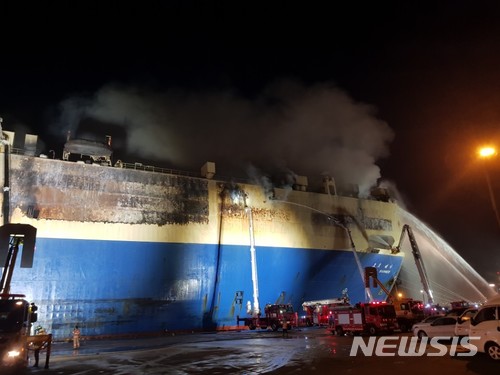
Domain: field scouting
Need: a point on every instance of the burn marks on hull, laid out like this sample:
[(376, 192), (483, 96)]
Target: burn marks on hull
[(365, 223), (74, 192)]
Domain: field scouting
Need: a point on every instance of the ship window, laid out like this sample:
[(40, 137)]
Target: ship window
[(32, 212)]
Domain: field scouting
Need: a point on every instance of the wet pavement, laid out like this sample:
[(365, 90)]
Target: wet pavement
[(310, 350)]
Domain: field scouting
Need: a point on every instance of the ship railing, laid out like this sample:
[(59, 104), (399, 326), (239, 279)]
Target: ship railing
[(17, 151), (151, 168)]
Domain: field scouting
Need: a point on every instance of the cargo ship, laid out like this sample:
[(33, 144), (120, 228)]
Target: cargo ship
[(128, 248)]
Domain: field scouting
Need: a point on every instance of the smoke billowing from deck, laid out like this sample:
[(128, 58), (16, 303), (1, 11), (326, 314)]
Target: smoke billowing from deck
[(311, 130)]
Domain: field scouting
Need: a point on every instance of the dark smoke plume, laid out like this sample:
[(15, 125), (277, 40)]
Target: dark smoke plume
[(310, 130)]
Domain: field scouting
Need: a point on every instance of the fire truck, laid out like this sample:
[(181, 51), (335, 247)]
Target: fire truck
[(369, 318), (458, 307), (16, 316), (408, 312), (319, 312), (16, 313), (275, 315)]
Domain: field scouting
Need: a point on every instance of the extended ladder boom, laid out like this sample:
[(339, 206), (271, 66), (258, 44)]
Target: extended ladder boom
[(330, 301), (418, 261)]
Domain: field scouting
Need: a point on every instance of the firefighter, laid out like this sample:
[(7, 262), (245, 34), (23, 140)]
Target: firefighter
[(330, 320), (76, 337), (39, 330), (285, 327)]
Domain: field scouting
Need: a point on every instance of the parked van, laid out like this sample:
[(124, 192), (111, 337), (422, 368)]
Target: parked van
[(463, 322), (484, 329)]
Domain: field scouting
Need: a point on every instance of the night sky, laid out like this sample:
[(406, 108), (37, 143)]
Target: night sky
[(399, 94)]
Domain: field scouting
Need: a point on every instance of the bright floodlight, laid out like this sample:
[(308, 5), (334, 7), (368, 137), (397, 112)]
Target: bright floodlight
[(486, 152)]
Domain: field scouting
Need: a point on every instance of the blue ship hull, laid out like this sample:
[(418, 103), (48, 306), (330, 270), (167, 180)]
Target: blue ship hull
[(116, 287)]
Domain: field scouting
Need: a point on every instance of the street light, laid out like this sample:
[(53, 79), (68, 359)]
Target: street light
[(496, 287), (488, 152)]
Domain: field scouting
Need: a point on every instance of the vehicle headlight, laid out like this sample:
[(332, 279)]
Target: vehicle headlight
[(13, 353)]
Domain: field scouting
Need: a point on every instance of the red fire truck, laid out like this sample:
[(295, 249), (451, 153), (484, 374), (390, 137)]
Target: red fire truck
[(408, 312), (370, 318), (275, 315), (319, 312), (458, 307)]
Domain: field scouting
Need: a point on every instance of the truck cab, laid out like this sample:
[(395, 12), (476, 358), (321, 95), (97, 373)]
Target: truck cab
[(275, 315), (408, 312), (278, 314), (16, 316)]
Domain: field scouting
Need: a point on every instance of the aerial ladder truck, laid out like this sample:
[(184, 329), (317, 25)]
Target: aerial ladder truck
[(277, 315), (319, 312), (408, 310), (16, 313), (417, 256)]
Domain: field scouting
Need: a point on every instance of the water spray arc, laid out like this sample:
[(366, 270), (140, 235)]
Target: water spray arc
[(447, 268), (337, 223)]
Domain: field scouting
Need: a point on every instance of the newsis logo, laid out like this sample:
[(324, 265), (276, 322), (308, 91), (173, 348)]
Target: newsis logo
[(389, 346)]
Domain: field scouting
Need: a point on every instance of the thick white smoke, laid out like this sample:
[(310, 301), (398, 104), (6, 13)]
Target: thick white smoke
[(311, 130)]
